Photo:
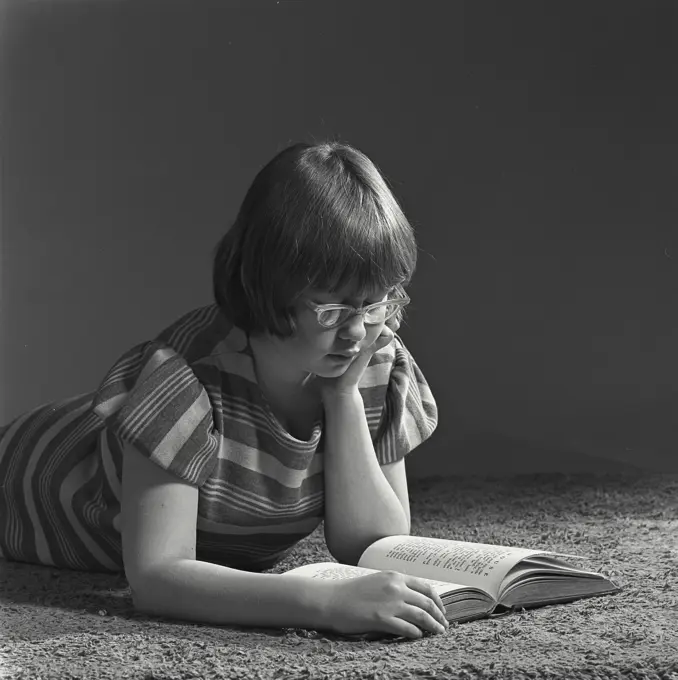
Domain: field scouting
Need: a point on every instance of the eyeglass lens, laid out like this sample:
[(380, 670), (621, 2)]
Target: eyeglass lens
[(332, 317)]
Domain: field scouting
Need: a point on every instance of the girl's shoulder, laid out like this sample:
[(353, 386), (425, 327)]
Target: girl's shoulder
[(202, 333)]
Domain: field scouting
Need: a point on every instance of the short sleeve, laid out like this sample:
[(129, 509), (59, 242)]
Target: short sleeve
[(410, 413), (151, 398)]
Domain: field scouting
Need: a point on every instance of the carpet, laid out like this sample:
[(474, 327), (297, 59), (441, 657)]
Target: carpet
[(65, 624)]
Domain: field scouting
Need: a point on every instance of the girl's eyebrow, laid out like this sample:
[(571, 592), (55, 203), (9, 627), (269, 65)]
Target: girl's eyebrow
[(316, 295), (352, 303)]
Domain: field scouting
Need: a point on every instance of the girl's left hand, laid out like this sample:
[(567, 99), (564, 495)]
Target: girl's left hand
[(347, 382)]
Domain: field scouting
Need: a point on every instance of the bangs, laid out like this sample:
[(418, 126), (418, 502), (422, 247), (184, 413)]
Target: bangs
[(350, 240)]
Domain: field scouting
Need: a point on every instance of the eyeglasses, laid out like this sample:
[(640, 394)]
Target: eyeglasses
[(331, 316)]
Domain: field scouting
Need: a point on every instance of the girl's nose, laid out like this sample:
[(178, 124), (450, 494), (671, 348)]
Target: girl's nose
[(353, 329)]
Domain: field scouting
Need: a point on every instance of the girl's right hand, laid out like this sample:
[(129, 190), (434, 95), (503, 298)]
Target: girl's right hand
[(385, 602)]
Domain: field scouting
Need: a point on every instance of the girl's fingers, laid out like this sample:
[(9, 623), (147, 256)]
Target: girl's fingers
[(436, 598), (429, 595), (422, 619), (384, 339), (393, 323)]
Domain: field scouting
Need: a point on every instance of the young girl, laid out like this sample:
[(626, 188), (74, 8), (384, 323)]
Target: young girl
[(207, 453)]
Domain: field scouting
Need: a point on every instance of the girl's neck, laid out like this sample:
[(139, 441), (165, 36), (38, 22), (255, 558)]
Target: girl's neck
[(274, 373)]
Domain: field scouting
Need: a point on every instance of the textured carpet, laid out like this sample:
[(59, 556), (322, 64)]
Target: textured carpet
[(62, 624)]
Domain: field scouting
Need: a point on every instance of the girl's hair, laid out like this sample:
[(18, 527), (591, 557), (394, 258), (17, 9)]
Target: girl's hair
[(316, 216)]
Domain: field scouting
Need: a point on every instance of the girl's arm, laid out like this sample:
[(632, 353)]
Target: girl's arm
[(159, 514), (360, 504)]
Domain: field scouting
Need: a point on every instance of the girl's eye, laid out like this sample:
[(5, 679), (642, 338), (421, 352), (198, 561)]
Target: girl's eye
[(376, 315), (329, 317)]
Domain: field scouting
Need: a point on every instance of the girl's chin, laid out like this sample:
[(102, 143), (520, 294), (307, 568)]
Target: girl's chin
[(331, 365)]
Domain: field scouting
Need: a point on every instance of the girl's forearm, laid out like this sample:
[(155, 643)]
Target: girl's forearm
[(192, 590), (360, 505)]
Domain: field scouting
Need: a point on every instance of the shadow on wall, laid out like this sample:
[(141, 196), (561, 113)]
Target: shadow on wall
[(634, 439), (641, 434), (468, 453)]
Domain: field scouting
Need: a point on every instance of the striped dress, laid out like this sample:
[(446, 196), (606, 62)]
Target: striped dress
[(190, 402)]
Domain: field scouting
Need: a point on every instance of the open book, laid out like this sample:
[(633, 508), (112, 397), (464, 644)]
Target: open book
[(474, 580)]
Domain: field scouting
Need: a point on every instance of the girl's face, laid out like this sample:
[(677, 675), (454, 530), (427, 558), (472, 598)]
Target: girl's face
[(317, 347), (310, 350)]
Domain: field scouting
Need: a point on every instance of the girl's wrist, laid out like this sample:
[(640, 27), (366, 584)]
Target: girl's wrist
[(333, 397)]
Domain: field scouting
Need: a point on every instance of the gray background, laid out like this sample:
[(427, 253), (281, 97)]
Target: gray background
[(532, 145)]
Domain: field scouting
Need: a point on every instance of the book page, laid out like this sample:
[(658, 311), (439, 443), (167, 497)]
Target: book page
[(472, 564), (539, 589), (336, 571), (547, 570), (544, 564)]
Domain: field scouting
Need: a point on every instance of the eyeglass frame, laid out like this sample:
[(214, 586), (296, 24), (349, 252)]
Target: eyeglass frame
[(363, 311)]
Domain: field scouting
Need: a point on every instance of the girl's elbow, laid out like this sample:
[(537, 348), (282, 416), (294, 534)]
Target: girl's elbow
[(346, 554)]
